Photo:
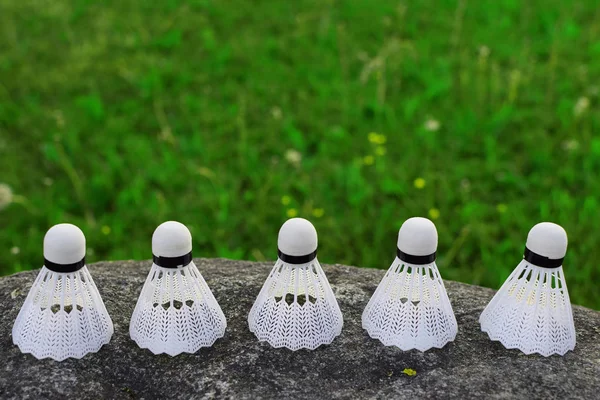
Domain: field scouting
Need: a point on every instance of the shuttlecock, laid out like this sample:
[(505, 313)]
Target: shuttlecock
[(410, 308), (176, 311), (532, 311), (296, 307), (63, 315)]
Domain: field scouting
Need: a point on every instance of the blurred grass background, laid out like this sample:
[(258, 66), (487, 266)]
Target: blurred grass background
[(232, 116)]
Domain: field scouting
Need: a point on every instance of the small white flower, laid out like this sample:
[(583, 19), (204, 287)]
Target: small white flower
[(465, 184), (583, 103), (6, 195), (59, 118), (15, 250), (432, 125), (276, 112), (294, 157), (484, 51), (570, 145)]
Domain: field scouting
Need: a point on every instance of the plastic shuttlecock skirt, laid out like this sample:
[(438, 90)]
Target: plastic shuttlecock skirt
[(296, 308), (410, 309), (532, 312), (176, 312), (63, 316)]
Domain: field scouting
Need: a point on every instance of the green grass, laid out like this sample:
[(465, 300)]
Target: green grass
[(119, 115)]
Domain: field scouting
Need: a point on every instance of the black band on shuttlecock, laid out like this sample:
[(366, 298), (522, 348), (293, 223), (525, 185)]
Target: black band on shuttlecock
[(296, 259), (172, 262), (64, 267), (541, 261), (417, 260)]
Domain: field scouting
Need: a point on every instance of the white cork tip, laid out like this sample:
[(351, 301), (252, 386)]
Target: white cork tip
[(64, 244), (418, 237), (171, 239), (548, 239), (297, 237)]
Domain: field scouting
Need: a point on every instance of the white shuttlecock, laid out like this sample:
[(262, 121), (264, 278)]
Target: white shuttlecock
[(176, 311), (410, 308), (532, 311), (296, 307), (63, 315)]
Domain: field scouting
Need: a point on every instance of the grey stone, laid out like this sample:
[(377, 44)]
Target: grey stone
[(238, 366)]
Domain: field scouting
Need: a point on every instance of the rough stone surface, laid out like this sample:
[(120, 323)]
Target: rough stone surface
[(238, 366)]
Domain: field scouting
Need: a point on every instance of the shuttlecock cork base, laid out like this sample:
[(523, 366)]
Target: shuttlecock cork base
[(410, 308), (296, 307), (63, 315), (176, 311), (532, 311)]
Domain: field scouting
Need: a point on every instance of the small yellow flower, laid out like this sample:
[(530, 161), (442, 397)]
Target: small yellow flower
[(380, 150), (105, 229), (377, 138), (434, 213), (409, 372), (318, 212), (368, 160), (502, 208), (292, 212), (419, 183), (285, 200)]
